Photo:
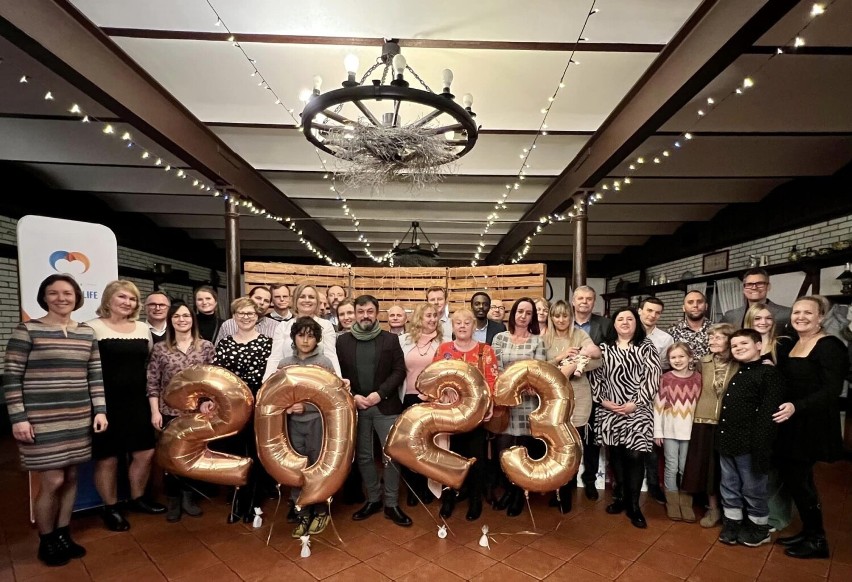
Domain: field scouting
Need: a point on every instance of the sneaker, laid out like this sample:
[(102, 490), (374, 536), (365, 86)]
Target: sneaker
[(730, 531), (318, 523), (753, 535), (302, 528)]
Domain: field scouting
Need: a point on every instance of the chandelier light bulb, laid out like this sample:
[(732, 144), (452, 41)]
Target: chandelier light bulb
[(317, 84), (351, 63), (447, 78), (305, 95), (399, 63), (467, 100)]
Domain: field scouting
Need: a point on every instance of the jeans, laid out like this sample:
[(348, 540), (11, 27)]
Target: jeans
[(743, 488), (372, 422), (675, 454), (306, 438)]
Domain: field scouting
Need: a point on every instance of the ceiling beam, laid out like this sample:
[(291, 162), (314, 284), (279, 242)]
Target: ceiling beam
[(713, 37), (65, 41)]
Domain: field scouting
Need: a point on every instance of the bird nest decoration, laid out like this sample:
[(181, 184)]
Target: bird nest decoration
[(364, 125)]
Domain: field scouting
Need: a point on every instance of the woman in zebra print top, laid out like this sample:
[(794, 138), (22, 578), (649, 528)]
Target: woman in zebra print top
[(625, 386)]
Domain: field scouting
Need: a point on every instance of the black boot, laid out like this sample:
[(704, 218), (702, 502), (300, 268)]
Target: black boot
[(72, 549), (50, 551), (516, 502), (448, 503), (813, 546), (411, 498), (113, 520), (566, 496), (474, 507), (792, 540)]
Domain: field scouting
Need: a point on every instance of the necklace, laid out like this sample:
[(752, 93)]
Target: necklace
[(425, 348)]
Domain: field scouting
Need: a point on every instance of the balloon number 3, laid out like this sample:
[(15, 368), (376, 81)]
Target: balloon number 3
[(550, 422), (411, 440), (292, 385), (182, 449)]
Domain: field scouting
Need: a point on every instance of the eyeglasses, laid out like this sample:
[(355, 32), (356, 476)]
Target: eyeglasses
[(157, 305), (246, 314), (759, 285)]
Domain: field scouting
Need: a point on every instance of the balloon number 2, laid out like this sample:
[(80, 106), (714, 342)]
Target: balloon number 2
[(182, 449), (550, 422), (299, 384), (411, 440)]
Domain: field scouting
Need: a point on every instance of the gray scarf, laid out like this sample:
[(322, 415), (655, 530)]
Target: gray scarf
[(364, 335)]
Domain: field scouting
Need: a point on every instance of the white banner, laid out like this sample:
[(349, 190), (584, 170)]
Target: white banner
[(46, 246)]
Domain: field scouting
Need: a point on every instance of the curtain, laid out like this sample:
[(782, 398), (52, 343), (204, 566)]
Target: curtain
[(729, 295)]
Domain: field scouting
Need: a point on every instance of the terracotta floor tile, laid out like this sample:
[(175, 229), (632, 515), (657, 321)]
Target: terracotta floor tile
[(686, 545), (108, 566), (502, 573), (742, 559), (668, 562), (815, 567), (396, 562), (216, 573), (559, 547), (173, 545), (573, 573), (322, 564), (840, 572), (366, 546), (429, 573), (644, 536), (147, 573), (534, 562), (499, 548), (431, 547), (713, 573), (778, 573), (178, 565), (607, 565), (64, 574), (465, 562), (617, 543), (357, 573), (638, 572), (284, 570)]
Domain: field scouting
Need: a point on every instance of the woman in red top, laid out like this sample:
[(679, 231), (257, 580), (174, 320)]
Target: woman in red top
[(470, 444)]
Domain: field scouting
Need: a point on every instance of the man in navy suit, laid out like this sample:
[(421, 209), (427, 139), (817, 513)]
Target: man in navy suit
[(485, 329), (371, 359)]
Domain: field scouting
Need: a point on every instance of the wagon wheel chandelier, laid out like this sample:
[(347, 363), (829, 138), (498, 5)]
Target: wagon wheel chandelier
[(364, 125)]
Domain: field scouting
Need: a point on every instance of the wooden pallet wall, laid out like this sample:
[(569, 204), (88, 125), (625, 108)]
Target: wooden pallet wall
[(405, 286), (323, 277), (505, 283)]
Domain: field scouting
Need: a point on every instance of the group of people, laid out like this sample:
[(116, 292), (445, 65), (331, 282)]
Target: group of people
[(728, 407)]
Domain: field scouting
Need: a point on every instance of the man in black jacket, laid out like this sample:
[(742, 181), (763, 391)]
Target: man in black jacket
[(485, 329), (598, 328), (373, 362)]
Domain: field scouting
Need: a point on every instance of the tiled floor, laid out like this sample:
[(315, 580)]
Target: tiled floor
[(585, 545)]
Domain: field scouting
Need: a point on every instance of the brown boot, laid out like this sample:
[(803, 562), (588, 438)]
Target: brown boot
[(673, 506), (686, 510)]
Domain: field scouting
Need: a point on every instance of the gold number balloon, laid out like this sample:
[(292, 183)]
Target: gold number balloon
[(549, 422), (326, 391), (182, 449), (411, 440)]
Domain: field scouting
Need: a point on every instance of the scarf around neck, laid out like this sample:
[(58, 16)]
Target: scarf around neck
[(365, 335)]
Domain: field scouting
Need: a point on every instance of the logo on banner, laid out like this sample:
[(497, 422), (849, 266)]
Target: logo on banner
[(73, 262)]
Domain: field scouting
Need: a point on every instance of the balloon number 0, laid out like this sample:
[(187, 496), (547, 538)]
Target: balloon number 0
[(550, 422), (292, 385), (411, 440), (182, 449)]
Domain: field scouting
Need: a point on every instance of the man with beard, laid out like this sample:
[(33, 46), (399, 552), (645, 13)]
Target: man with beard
[(372, 360), (485, 329), (692, 329), (335, 294)]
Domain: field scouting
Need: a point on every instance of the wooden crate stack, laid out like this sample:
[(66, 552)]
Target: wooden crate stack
[(323, 277), (405, 286), (505, 283)]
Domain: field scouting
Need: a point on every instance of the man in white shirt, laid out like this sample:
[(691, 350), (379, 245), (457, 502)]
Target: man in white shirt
[(280, 303), (437, 296), (650, 311), (156, 309)]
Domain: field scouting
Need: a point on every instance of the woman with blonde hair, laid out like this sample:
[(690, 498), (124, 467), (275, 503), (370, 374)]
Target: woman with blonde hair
[(542, 306), (759, 318), (418, 346), (574, 353), (124, 343)]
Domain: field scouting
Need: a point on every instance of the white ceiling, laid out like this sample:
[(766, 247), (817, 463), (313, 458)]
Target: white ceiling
[(799, 108)]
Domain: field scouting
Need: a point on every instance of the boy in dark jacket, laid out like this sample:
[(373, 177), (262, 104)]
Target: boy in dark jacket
[(744, 438)]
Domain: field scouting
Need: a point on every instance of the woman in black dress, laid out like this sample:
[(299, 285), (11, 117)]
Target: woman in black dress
[(809, 428), (124, 343), (206, 303), (245, 354)]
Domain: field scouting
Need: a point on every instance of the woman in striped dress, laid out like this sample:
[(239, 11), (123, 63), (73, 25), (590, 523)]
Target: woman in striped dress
[(625, 386), (52, 383)]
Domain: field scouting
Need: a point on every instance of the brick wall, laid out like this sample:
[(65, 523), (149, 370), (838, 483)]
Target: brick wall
[(776, 248), (10, 311)]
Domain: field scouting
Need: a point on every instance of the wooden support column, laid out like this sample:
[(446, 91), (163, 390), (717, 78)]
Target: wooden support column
[(581, 218), (232, 247)]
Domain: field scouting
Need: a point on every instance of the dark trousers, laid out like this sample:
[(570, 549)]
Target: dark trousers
[(652, 468), (798, 478), (591, 451), (472, 444), (628, 468)]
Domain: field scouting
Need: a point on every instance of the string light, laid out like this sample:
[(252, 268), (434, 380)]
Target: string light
[(542, 129), (747, 83)]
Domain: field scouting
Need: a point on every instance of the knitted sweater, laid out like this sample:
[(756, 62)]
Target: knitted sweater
[(674, 406)]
